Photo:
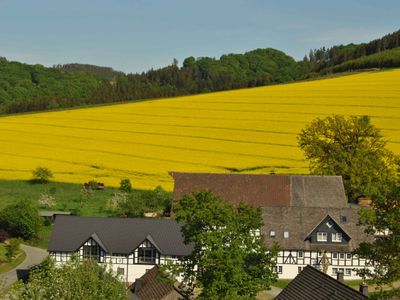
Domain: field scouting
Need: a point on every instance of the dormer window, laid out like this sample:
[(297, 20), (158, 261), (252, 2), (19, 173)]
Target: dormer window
[(322, 236), (272, 234), (286, 234), (343, 219), (147, 256), (337, 237)]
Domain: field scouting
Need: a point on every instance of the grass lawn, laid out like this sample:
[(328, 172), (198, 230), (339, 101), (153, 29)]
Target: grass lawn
[(282, 283), (67, 196), (7, 266), (44, 237), (3, 252)]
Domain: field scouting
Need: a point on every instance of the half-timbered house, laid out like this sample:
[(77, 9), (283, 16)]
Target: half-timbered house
[(129, 246), (308, 216)]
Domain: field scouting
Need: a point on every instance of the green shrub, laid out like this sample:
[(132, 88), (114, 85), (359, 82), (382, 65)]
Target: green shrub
[(12, 247), (21, 219), (125, 185), (41, 175)]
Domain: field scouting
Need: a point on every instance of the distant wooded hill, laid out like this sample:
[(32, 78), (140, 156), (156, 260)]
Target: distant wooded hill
[(103, 72), (26, 87)]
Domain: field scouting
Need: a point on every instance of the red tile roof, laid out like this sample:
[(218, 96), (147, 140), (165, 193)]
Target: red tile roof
[(265, 190), (256, 190)]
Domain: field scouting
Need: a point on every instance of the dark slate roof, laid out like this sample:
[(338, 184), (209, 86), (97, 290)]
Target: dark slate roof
[(312, 284), (265, 190), (152, 288), (300, 221), (118, 235)]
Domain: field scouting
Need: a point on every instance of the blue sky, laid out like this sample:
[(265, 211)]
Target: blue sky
[(136, 35)]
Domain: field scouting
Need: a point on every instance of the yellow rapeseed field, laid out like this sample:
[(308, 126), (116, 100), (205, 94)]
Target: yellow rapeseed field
[(243, 129)]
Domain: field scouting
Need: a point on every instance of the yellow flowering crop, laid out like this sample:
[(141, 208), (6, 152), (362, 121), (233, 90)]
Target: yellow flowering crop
[(250, 129)]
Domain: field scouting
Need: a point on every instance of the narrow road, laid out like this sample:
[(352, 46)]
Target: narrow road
[(34, 256)]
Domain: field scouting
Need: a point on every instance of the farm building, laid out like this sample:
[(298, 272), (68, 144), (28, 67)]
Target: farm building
[(312, 284), (130, 246), (308, 216), (150, 286)]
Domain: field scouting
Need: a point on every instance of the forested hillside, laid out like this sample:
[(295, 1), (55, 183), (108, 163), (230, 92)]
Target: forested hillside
[(103, 72), (34, 87), (26, 87), (327, 58)]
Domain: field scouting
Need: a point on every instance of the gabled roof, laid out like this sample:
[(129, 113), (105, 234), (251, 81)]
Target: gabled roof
[(152, 288), (265, 190), (312, 284), (96, 238), (324, 220), (300, 221), (118, 235)]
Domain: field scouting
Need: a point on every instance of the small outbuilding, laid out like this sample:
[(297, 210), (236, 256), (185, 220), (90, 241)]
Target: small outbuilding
[(312, 284)]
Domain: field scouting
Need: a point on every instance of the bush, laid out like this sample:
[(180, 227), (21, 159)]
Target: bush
[(74, 280), (3, 235), (21, 219), (136, 204), (12, 247), (41, 175), (125, 185), (93, 185), (47, 201)]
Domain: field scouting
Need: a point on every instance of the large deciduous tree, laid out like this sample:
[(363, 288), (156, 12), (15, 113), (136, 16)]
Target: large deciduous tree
[(383, 222), (351, 147), (21, 219), (229, 260)]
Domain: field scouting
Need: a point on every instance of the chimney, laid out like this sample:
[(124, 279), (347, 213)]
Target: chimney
[(138, 285), (339, 277), (364, 289)]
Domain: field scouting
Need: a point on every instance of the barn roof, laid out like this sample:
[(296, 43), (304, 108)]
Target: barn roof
[(315, 285), (265, 190), (300, 221), (118, 235)]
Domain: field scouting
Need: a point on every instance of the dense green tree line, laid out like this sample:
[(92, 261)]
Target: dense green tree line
[(103, 72), (26, 87), (34, 87), (328, 57)]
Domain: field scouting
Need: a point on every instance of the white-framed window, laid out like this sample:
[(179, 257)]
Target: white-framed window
[(299, 269), (322, 236), (147, 255), (334, 255), (341, 255), (341, 270), (300, 254), (334, 271), (348, 272), (280, 269), (329, 224), (286, 234), (272, 234), (336, 237), (348, 255)]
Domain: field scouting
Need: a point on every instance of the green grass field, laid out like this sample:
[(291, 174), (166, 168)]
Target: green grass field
[(7, 266), (68, 196)]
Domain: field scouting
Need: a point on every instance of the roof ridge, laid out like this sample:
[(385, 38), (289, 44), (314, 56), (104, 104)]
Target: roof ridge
[(334, 280), (117, 218)]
